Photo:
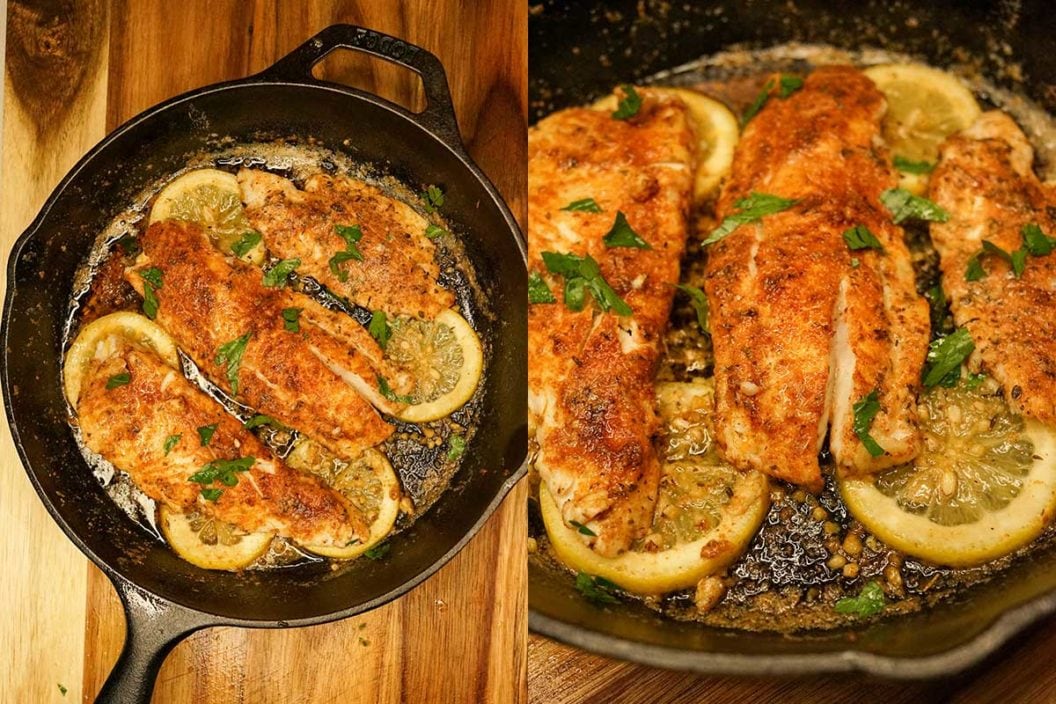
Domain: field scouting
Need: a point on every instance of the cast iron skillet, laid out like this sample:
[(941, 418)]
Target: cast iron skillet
[(164, 597), (616, 42)]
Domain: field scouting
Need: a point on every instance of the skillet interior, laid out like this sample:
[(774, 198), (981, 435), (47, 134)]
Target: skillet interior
[(610, 43), (42, 268)]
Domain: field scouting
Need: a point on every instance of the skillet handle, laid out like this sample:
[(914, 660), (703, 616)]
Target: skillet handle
[(438, 116), (153, 627)]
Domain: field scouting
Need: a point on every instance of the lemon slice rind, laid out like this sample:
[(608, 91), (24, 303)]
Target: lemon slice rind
[(100, 339), (184, 541), (468, 379), (996, 534)]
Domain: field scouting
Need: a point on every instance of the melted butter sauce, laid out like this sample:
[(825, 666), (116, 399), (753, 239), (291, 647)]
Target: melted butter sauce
[(785, 582), (418, 452)]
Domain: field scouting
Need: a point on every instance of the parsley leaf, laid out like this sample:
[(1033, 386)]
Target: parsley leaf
[(378, 552), (864, 413), (1037, 242), (974, 381), (584, 530), (351, 234), (750, 209), (903, 206), (974, 271), (945, 356), (379, 328), (699, 302), (937, 304), (861, 237), (433, 198), (261, 419), (291, 319), (152, 275), (117, 380), (538, 291), (387, 392), (205, 434), (212, 494), (340, 258), (151, 283), (170, 442), (230, 353), (786, 85), (276, 276), (596, 589), (623, 235), (913, 167), (129, 244), (583, 275), (583, 205), (629, 104), (223, 471), (1016, 260), (245, 243), (456, 445), (869, 602), (434, 231)]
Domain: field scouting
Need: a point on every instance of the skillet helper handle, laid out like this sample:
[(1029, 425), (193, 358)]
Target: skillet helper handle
[(438, 116), (152, 629)]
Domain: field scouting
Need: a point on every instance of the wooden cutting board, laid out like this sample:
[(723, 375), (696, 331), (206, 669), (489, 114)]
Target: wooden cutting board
[(76, 69)]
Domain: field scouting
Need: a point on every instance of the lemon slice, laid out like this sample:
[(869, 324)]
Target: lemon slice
[(717, 134), (984, 485), (707, 514), (924, 107), (444, 358), (212, 199), (104, 337), (209, 543), (368, 482)]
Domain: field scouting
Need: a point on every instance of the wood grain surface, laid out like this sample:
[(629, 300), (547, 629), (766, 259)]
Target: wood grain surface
[(75, 69)]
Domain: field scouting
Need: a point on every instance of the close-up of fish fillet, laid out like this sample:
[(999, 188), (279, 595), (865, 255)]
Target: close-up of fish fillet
[(397, 274), (129, 425), (591, 391), (803, 327), (310, 380), (985, 180)]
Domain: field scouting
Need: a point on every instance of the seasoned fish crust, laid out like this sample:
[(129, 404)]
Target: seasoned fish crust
[(591, 392), (129, 425), (802, 326), (985, 180), (398, 273), (307, 380)]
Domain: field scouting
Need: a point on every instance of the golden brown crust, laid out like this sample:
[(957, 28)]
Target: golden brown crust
[(129, 426), (985, 180), (591, 394)]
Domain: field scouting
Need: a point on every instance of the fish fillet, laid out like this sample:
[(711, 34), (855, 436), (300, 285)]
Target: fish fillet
[(985, 180), (398, 273), (802, 327), (129, 425), (591, 392), (310, 380)]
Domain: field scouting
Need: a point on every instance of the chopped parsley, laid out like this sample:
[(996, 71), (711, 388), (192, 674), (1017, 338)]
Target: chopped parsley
[(276, 276), (433, 198), (861, 237), (596, 589), (945, 356), (152, 275), (903, 206), (1016, 260), (974, 381), (864, 413), (582, 275), (583, 529), (623, 235), (212, 494), (869, 602), (223, 471), (456, 445), (291, 319), (629, 104), (205, 434), (245, 243), (538, 291), (170, 442), (699, 302), (118, 380), (378, 552), (434, 231), (351, 234), (937, 303), (151, 283), (754, 207), (1037, 242), (230, 353), (387, 392), (913, 167), (786, 85), (129, 244), (261, 419), (583, 205), (379, 328)]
